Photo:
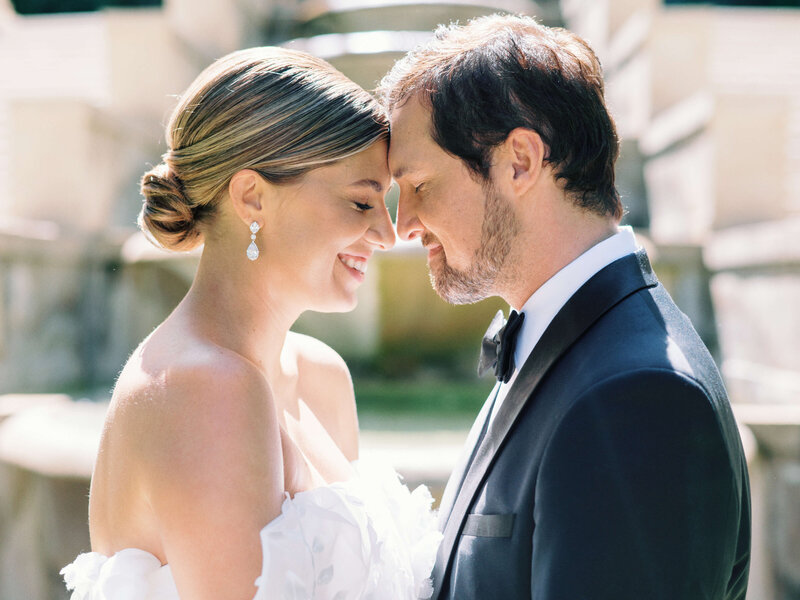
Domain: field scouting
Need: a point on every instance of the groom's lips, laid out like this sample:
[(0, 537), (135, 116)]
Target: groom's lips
[(433, 250)]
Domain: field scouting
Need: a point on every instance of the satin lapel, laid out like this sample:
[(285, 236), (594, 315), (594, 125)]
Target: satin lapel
[(607, 288)]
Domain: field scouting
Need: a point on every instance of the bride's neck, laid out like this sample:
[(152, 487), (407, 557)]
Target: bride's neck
[(233, 304)]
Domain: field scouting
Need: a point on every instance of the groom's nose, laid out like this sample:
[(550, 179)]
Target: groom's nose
[(409, 226)]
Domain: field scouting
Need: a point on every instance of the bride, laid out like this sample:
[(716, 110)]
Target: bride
[(227, 465)]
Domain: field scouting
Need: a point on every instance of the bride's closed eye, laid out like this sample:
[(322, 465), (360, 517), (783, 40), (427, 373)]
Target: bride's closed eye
[(362, 206)]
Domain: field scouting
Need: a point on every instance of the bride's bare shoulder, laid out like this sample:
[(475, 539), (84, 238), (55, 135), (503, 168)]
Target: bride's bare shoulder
[(325, 382), (195, 427), (180, 391)]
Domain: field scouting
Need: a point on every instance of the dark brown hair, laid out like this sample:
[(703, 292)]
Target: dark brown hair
[(500, 72)]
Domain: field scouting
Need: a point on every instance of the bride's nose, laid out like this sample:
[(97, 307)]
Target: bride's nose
[(381, 232)]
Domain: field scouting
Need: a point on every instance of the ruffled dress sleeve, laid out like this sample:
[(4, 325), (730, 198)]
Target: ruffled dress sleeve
[(130, 574)]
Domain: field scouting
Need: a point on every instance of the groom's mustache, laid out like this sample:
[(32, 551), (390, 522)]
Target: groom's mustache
[(428, 238)]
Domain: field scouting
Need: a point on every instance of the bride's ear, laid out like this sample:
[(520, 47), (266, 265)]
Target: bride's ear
[(246, 191)]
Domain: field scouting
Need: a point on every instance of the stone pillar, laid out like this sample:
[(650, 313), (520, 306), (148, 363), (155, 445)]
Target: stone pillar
[(149, 64), (618, 31), (756, 290), (720, 144)]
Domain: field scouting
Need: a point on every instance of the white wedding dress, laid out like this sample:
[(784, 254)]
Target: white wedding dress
[(366, 538)]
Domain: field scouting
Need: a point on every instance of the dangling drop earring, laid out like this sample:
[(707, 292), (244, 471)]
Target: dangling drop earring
[(252, 249)]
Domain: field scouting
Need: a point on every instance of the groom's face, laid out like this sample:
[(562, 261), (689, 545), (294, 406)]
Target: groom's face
[(465, 225)]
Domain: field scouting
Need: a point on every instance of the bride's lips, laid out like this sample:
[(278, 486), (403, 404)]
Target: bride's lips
[(355, 265)]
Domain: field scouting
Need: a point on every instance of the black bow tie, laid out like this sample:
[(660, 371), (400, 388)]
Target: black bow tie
[(497, 348)]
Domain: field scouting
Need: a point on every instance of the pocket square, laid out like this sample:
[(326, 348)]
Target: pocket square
[(497, 526)]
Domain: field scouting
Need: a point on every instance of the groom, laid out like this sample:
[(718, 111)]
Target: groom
[(606, 463)]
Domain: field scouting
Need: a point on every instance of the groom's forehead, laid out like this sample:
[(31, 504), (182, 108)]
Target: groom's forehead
[(412, 115), (410, 136)]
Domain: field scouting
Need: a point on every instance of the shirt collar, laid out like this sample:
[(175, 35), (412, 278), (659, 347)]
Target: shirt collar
[(544, 304)]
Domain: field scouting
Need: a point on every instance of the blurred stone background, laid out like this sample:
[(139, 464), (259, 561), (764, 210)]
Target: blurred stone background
[(707, 102)]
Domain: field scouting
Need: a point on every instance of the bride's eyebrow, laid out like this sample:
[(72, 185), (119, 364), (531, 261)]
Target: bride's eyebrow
[(375, 185)]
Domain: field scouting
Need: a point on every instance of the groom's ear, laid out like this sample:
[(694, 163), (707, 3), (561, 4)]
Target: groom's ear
[(524, 156)]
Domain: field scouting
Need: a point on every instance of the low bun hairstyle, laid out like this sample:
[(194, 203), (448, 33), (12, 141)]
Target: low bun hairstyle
[(167, 214), (276, 111)]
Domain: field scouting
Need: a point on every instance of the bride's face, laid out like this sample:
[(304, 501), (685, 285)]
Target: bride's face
[(325, 228)]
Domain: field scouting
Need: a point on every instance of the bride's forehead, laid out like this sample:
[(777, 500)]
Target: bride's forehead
[(369, 168)]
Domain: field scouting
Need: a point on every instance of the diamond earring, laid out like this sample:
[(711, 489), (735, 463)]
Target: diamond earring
[(252, 249)]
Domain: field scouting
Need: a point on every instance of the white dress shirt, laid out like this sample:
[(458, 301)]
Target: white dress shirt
[(544, 304)]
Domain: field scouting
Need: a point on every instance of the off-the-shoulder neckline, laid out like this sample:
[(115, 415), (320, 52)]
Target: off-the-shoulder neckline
[(287, 497)]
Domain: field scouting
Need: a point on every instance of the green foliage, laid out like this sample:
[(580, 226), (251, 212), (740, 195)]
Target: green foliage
[(422, 396), (418, 330)]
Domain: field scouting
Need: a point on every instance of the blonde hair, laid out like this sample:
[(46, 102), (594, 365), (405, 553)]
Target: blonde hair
[(279, 112)]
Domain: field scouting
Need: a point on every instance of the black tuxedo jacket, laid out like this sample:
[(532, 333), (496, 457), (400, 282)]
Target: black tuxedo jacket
[(613, 469)]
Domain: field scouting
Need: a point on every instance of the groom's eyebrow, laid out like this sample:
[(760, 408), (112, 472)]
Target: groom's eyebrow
[(406, 171), (375, 185)]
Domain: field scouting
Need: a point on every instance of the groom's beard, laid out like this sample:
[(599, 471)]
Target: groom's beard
[(478, 281)]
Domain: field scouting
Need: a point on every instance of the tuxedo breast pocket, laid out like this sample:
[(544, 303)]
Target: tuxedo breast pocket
[(490, 526)]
